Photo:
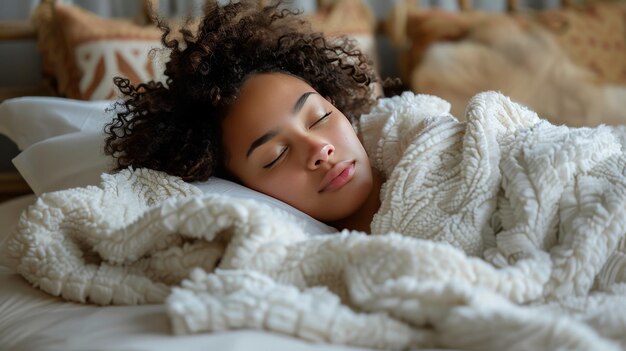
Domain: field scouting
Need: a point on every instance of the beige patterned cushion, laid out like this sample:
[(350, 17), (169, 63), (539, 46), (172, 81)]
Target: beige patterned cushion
[(83, 52), (594, 36)]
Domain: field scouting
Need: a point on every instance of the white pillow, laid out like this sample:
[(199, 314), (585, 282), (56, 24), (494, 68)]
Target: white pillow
[(72, 154), (65, 161), (28, 120), (217, 185)]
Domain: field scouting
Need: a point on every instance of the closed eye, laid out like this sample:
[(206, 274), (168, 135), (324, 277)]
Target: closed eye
[(284, 150), (282, 153), (321, 119)]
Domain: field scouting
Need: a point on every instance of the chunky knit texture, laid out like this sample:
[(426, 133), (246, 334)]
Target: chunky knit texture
[(502, 232)]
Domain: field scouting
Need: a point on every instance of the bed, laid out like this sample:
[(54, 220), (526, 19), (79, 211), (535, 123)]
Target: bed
[(33, 320), (60, 142)]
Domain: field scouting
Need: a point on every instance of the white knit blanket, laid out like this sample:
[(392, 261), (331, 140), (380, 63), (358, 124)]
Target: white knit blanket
[(545, 203)]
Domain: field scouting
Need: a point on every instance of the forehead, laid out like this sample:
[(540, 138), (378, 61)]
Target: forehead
[(264, 100), (269, 90)]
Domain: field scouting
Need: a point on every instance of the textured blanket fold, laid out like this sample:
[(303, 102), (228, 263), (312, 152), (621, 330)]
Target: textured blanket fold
[(502, 232)]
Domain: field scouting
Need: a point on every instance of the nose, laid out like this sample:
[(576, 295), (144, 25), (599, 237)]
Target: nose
[(320, 153)]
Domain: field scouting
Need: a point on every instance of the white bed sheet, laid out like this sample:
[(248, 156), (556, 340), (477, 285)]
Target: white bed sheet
[(33, 320)]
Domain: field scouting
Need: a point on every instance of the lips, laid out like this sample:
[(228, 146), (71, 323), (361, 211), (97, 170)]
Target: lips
[(338, 176)]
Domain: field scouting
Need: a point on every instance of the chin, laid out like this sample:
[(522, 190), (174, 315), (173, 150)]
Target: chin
[(337, 214), (348, 202)]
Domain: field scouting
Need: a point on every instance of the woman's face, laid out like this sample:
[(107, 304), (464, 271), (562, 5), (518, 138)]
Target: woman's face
[(285, 140)]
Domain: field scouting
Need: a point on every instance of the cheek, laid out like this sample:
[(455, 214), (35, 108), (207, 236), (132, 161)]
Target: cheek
[(286, 186), (284, 183), (294, 188), (347, 138)]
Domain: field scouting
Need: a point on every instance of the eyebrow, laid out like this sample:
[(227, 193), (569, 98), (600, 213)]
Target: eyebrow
[(272, 133)]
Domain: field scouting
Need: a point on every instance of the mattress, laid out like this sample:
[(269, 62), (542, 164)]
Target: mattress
[(33, 320)]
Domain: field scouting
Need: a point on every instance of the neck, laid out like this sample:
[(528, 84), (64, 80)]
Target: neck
[(362, 218)]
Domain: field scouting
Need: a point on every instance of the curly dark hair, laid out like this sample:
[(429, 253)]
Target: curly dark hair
[(176, 127)]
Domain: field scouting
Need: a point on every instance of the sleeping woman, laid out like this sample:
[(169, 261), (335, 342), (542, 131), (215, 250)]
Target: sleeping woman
[(257, 97), (489, 224)]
